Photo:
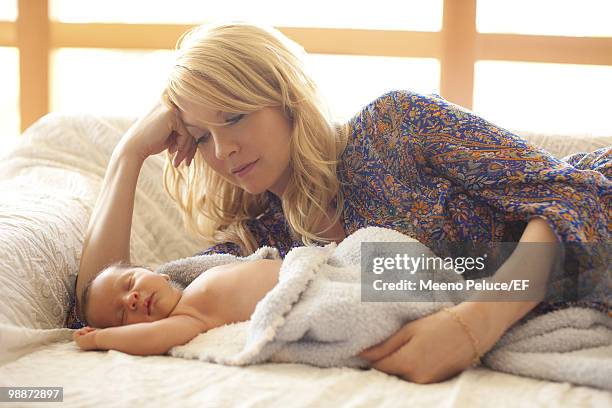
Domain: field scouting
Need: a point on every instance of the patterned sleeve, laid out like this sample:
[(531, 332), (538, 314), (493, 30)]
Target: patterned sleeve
[(510, 174)]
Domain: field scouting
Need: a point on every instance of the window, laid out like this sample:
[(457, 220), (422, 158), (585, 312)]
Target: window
[(415, 15), (8, 10), (9, 100), (351, 82), (559, 98), (541, 96), (545, 17), (348, 82), (545, 97), (107, 82)]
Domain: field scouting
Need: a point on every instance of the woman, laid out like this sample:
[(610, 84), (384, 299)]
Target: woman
[(258, 161)]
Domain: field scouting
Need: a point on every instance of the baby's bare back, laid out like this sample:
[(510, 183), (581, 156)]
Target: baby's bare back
[(228, 293)]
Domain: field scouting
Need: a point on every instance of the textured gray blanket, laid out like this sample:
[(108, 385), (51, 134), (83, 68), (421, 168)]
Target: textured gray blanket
[(314, 315)]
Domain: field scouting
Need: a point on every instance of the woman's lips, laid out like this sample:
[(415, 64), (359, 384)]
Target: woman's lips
[(246, 169)]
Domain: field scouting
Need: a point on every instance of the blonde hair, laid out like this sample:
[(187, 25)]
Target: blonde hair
[(240, 68)]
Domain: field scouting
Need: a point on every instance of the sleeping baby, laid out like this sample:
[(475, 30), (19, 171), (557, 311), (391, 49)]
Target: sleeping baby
[(137, 311)]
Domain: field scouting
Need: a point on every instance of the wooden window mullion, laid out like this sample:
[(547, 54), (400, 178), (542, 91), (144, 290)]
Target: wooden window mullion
[(458, 52), (33, 43)]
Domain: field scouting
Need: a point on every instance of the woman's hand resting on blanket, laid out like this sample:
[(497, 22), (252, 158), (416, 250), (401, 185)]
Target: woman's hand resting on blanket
[(85, 337), (436, 347)]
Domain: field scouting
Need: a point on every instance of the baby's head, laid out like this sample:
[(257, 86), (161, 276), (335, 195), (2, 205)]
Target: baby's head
[(126, 294)]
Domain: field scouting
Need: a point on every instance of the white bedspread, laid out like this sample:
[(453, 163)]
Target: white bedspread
[(117, 379)]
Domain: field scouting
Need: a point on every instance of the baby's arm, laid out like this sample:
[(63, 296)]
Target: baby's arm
[(141, 338)]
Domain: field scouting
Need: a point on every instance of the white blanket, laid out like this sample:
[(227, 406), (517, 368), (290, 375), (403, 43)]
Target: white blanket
[(315, 315)]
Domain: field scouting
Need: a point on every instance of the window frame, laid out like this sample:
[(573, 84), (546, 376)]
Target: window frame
[(457, 46)]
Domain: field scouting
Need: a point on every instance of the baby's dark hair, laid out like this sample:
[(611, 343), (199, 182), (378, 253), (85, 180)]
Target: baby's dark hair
[(120, 265)]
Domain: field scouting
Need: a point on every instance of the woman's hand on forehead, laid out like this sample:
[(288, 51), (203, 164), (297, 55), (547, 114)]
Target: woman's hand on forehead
[(157, 130), (181, 142)]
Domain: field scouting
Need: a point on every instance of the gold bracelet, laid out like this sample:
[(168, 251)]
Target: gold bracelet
[(459, 319)]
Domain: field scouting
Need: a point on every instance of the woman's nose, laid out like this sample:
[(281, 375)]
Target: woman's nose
[(223, 149)]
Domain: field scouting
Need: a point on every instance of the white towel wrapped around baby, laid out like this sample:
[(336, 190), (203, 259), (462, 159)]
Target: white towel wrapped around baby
[(315, 315)]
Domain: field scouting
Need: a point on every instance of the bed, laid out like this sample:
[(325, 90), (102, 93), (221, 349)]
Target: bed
[(48, 186)]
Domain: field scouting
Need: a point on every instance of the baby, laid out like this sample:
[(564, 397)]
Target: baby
[(137, 311)]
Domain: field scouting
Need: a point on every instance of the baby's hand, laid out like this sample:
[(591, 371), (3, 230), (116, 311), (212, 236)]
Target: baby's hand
[(85, 338)]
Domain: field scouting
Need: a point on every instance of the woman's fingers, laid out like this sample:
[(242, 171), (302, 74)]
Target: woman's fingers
[(178, 157), (177, 148), (177, 121), (171, 142), (184, 144), (193, 149), (184, 141), (389, 365), (184, 138), (388, 346), (179, 142), (185, 152), (172, 146)]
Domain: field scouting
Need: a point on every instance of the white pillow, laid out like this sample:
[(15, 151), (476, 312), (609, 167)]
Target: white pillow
[(40, 244), (48, 186)]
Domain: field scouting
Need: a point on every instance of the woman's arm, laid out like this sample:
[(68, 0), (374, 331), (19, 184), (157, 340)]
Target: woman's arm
[(530, 262), (142, 338), (491, 319), (108, 235), (437, 347)]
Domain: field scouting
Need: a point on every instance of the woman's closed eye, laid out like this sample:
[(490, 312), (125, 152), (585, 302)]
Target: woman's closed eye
[(231, 121), (235, 119), (202, 139)]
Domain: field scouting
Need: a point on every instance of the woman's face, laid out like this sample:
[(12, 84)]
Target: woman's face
[(261, 138)]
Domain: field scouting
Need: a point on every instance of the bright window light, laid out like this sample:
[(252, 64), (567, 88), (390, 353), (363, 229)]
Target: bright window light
[(546, 17), (9, 97), (351, 82), (8, 10), (557, 98), (107, 82), (417, 15)]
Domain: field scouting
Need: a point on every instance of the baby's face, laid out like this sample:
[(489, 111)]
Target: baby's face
[(126, 296)]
